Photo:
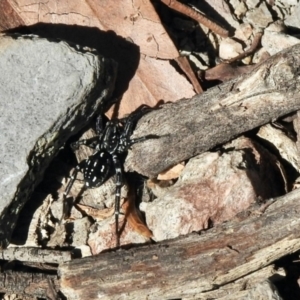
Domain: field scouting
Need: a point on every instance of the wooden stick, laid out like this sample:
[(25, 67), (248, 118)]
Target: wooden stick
[(29, 284), (185, 66), (190, 127), (190, 265), (188, 11), (253, 47), (36, 255)]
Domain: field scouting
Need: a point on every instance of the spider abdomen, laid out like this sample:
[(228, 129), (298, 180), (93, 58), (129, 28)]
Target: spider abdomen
[(96, 169)]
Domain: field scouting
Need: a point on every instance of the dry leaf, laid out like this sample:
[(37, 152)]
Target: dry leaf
[(138, 21), (171, 173), (155, 80), (97, 214), (132, 230), (143, 76), (133, 217), (225, 72)]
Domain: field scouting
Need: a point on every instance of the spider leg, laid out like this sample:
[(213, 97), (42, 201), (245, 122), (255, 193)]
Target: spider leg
[(110, 137), (91, 143), (119, 181), (99, 125), (72, 180), (73, 177), (67, 190), (124, 140), (142, 139), (129, 122)]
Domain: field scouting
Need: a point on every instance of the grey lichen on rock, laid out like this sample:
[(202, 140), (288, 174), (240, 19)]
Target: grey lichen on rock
[(48, 91)]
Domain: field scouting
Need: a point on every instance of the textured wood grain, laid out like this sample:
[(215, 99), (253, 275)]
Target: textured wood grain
[(35, 255), (189, 265), (29, 284), (190, 127)]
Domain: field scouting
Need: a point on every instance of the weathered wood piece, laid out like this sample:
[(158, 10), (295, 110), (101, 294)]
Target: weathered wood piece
[(283, 143), (190, 127), (36, 255), (29, 284), (189, 265), (241, 288), (40, 282)]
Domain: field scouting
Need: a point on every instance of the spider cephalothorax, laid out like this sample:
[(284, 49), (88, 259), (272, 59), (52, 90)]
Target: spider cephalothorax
[(111, 141)]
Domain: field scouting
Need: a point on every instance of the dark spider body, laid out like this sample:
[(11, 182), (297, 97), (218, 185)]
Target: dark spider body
[(112, 140)]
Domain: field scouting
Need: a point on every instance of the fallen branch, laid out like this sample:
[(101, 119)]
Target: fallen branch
[(251, 50), (189, 265), (29, 284), (185, 66), (190, 127), (35, 255), (199, 17), (26, 271)]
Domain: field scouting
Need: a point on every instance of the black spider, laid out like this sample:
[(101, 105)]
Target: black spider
[(111, 141)]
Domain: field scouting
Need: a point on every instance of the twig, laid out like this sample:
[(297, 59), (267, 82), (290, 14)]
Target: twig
[(186, 68), (36, 255), (174, 4), (216, 258), (255, 44), (29, 284), (224, 72)]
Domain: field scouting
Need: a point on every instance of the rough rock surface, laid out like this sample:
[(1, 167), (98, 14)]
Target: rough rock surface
[(213, 188), (49, 91), (265, 290), (229, 48), (294, 19), (274, 40), (259, 16)]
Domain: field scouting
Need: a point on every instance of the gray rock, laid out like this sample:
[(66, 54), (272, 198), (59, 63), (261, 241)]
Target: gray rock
[(48, 91), (259, 16), (274, 40), (265, 290), (286, 3), (209, 191), (252, 3), (239, 7), (80, 231), (294, 19)]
